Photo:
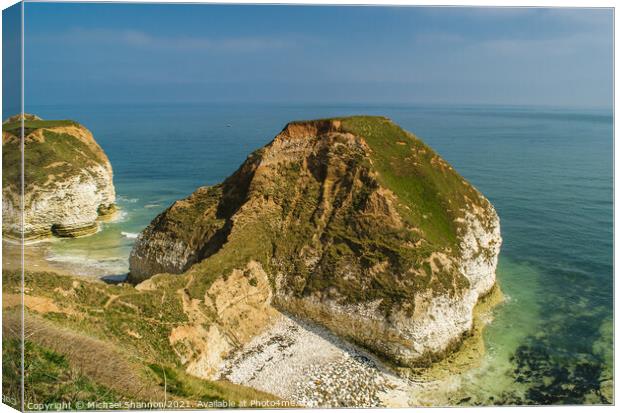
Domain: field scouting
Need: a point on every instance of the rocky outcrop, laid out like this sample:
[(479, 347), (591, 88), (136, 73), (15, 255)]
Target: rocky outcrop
[(359, 227), (239, 307), (19, 117), (67, 179)]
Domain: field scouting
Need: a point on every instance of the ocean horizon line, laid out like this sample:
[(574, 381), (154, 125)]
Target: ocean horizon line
[(336, 104)]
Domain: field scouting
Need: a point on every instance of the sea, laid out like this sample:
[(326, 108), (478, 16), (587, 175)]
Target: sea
[(548, 172)]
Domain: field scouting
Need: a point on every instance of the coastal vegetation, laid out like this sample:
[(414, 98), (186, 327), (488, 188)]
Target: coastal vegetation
[(350, 223), (52, 154), (30, 125), (86, 340)]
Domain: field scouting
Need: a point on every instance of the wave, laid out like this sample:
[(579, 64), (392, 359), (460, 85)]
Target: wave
[(152, 205), (119, 216), (89, 265), (18, 242), (125, 199), (130, 235)]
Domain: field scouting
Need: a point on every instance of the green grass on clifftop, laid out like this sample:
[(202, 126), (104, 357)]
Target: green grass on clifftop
[(31, 125), (431, 193), (59, 155)]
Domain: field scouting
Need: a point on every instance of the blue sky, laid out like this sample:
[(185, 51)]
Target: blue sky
[(11, 61), (115, 53)]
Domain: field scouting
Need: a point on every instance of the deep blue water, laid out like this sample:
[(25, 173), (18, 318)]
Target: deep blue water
[(549, 173)]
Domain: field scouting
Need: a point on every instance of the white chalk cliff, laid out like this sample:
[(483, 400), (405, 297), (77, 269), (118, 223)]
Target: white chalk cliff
[(68, 184)]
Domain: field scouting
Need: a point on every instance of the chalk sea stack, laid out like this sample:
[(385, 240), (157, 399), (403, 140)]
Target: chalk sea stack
[(352, 223), (67, 179)]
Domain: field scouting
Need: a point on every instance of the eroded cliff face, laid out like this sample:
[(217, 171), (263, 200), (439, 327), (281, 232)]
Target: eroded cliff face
[(233, 311), (356, 224), (68, 184)]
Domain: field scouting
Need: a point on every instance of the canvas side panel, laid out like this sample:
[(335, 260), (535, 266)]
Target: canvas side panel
[(12, 253)]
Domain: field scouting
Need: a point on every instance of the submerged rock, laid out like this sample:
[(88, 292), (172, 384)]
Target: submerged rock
[(67, 179), (358, 225)]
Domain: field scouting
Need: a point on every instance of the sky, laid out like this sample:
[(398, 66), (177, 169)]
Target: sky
[(11, 61), (133, 53)]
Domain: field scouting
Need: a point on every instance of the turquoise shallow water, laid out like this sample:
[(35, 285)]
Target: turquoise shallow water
[(547, 171)]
